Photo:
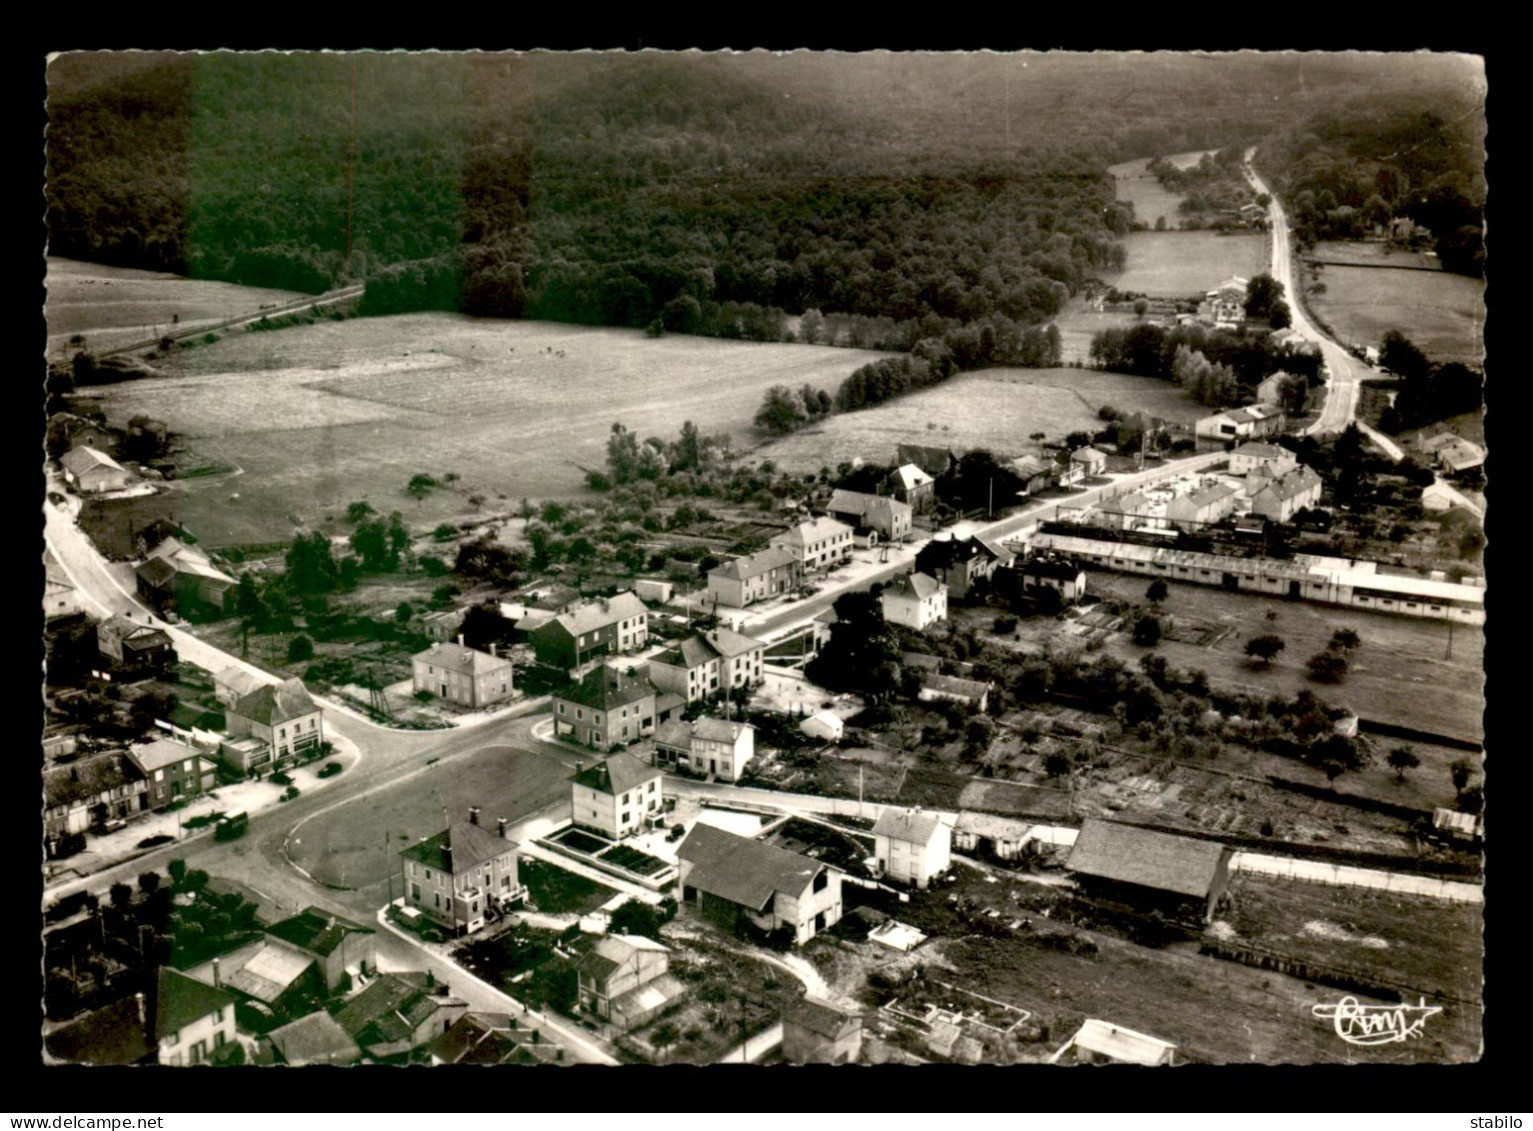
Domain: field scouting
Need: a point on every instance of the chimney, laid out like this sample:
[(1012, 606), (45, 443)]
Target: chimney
[(500, 827), (473, 815)]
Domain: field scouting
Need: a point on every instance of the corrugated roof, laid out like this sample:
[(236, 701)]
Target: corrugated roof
[(741, 870), (271, 704), (908, 825), (462, 846), (1146, 858), (616, 773), (270, 971), (315, 1039)]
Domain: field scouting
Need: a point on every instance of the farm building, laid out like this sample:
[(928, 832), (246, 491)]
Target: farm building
[(871, 517), (814, 1032), (60, 597), (177, 576), (1200, 508), (1250, 456), (823, 725), (1455, 826), (969, 692), (653, 589), (767, 573), (933, 461), (616, 795), (1280, 498), (440, 625), (1438, 496), (461, 876), (465, 676), (816, 544), (1101, 1042), (1252, 422), (136, 651), (734, 878), (914, 600), (1326, 581), (1089, 460), (606, 626), (1460, 457), (624, 980), (911, 846), (399, 1012), (1002, 837), (93, 472), (1179, 876), (1270, 389)]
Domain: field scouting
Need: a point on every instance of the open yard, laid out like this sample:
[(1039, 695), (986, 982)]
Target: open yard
[(119, 305), (998, 409), (315, 417), (346, 846), (1442, 313), (1183, 264)]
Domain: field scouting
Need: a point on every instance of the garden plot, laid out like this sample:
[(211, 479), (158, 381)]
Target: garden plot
[(610, 856)]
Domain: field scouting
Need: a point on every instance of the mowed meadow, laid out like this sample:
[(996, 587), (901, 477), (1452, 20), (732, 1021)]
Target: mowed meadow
[(1138, 186), (113, 306), (315, 417), (996, 409), (1184, 264)]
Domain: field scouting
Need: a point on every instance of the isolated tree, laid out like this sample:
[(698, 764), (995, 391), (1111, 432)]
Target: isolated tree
[(782, 411), (1140, 306), (403, 613), (420, 486), (357, 511), (1147, 632), (1327, 667), (177, 870), (1345, 639), (1056, 764), (664, 1036), (1460, 771), (299, 649), (1264, 648), (1158, 591), (247, 601), (635, 918), (1403, 759), (121, 895), (1262, 292)]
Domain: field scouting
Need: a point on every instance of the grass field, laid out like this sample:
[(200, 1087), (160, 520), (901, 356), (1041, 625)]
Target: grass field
[(118, 305), (1443, 314), (345, 847), (996, 409), (1078, 326), (1372, 253), (1140, 188), (1183, 264), (318, 416)]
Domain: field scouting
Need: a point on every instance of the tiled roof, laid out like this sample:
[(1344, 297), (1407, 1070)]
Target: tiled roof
[(821, 1018), (392, 1008), (491, 1038), (908, 476), (162, 752), (917, 586), (1146, 858), (78, 461), (615, 774), (156, 571), (730, 643), (468, 662), (604, 688), (593, 615), (718, 730), (315, 1039), (741, 870), (751, 565), (88, 777), (462, 846), (811, 531), (316, 931), (238, 680), (180, 1000), (1133, 503), (676, 733), (907, 825), (271, 704), (691, 653), (1209, 496), (1293, 484)]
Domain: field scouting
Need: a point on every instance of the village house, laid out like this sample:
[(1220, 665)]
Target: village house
[(1252, 422), (90, 792), (1437, 496), (911, 846), (605, 707), (871, 517), (933, 461), (493, 1038), (72, 431), (463, 875), (176, 576), (465, 676), (285, 981), (1460, 458), (284, 718), (961, 563), (174, 771), (824, 725), (135, 651), (316, 1038), (1001, 837), (1101, 1042), (60, 597), (343, 950), (93, 472), (625, 980), (908, 484), (233, 683), (180, 1022), (701, 666), (815, 1032), (948, 688), (1249, 457), (399, 1013), (1065, 577), (615, 796), (766, 573), (1034, 474), (816, 543), (1270, 389), (1182, 877), (914, 600), (1225, 305), (1279, 499), (732, 878), (1089, 461), (720, 748), (1202, 507), (1124, 511), (440, 625), (603, 627)]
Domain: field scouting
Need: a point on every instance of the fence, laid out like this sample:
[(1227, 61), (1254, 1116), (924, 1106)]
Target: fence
[(1342, 875)]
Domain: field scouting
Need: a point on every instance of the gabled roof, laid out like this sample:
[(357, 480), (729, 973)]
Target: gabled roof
[(1462, 455), (742, 870), (180, 1000), (1088, 454), (1055, 568), (589, 616), (458, 848), (1134, 503), (238, 680), (810, 531), (490, 1038), (270, 971), (693, 652), (908, 825), (1123, 1045), (742, 568), (931, 460), (1029, 466), (1147, 858), (913, 586), (997, 552), (87, 778), (952, 685), (156, 571), (1208, 496), (1253, 450), (79, 461), (319, 932), (719, 730), (315, 1039), (612, 951), (730, 643), (392, 1008), (822, 1018), (271, 704), (675, 733), (908, 476), (468, 662), (615, 774), (1294, 483), (127, 629), (605, 689), (162, 752), (110, 1035)]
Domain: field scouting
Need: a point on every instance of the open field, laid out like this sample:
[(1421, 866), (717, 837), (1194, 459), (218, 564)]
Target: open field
[(996, 409), (1443, 314), (1078, 326), (1139, 187), (118, 305), (345, 847), (1372, 253), (1183, 264), (316, 417)]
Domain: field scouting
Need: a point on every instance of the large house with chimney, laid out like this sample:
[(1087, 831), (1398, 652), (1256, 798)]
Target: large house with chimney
[(616, 795), (465, 676), (914, 600), (281, 724), (1279, 498), (708, 664), (911, 847), (180, 1022), (605, 707), (134, 651), (961, 563), (754, 577), (462, 876), (604, 627), (816, 543), (871, 517)]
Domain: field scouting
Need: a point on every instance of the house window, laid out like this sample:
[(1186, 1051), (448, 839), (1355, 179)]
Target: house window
[(505, 881), (415, 893), (220, 1037), (428, 873), (174, 1038), (218, 1016)]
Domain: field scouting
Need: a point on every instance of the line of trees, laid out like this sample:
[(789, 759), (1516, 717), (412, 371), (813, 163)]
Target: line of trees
[(1429, 392)]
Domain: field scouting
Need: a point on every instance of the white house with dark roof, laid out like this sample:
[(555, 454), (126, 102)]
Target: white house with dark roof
[(1202, 507), (624, 980), (616, 795), (1089, 460), (871, 517), (817, 543), (462, 675), (1280, 498), (1249, 456), (93, 472), (914, 600), (732, 878), (284, 717), (911, 846), (462, 875), (754, 577)]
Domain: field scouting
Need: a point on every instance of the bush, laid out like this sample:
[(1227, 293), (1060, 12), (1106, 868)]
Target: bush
[(300, 648), (279, 778)]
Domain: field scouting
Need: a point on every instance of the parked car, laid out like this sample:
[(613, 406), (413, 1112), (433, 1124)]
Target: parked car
[(330, 770)]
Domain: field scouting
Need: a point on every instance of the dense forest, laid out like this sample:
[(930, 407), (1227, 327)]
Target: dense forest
[(899, 196), (1345, 171)]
